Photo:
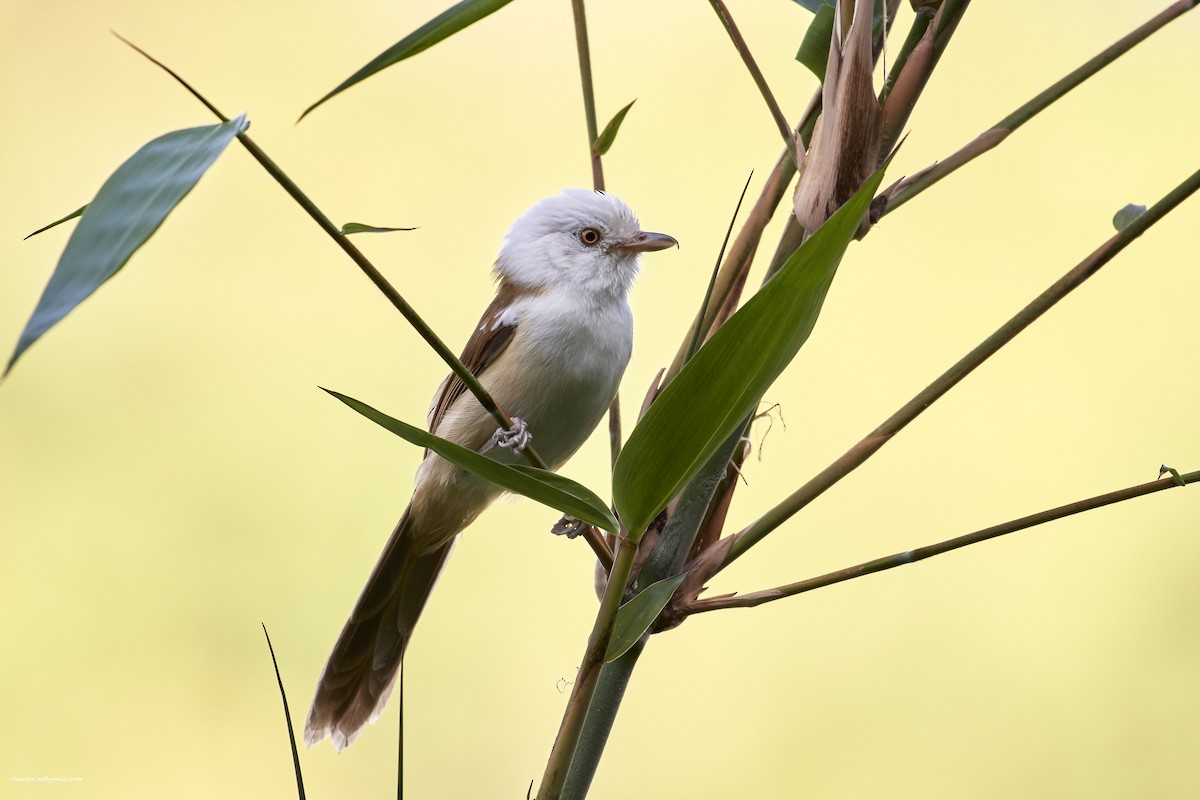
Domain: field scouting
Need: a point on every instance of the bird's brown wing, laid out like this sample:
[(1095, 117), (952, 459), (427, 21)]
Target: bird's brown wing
[(489, 339)]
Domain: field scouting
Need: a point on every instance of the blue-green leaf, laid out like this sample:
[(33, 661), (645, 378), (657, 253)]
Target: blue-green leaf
[(127, 210), (76, 213), (609, 135), (636, 616), (444, 25), (727, 377), (547, 488)]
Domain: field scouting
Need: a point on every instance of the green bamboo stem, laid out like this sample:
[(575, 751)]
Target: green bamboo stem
[(555, 777), (376, 277), (753, 599), (910, 187), (601, 714), (870, 444)]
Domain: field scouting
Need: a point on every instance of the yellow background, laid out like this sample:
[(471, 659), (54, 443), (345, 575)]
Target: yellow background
[(170, 475)]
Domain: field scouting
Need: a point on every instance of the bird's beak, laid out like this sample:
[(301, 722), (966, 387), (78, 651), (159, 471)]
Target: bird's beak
[(644, 242)]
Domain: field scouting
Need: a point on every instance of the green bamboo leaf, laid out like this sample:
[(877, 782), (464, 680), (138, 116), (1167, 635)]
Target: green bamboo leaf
[(814, 47), (76, 213), (357, 227), (609, 135), (127, 210), (444, 25), (548, 488), (813, 5), (636, 616), (727, 377)]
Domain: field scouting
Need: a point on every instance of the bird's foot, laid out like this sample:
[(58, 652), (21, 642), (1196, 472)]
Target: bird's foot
[(515, 438), (568, 526)]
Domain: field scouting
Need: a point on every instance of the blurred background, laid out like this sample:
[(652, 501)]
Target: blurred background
[(171, 476)]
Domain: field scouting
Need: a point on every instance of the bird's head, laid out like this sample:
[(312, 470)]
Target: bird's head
[(581, 239)]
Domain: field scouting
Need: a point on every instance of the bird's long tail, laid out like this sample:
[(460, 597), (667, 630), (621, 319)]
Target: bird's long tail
[(358, 678)]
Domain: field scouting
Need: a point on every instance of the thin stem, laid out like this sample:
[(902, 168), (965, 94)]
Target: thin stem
[(469, 380), (785, 130), (589, 671), (595, 539), (921, 60), (589, 94), (921, 553), (910, 187), (915, 33), (868, 446), (593, 132)]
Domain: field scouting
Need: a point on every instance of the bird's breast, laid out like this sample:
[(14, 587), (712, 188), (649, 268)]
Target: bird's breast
[(567, 362)]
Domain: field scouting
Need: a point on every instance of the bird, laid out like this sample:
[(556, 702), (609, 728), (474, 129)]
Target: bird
[(551, 349)]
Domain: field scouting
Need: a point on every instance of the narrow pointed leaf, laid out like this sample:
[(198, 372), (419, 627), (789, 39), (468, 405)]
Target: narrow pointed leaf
[(444, 25), (727, 377), (609, 135), (127, 210), (358, 227), (548, 488), (638, 614), (76, 213)]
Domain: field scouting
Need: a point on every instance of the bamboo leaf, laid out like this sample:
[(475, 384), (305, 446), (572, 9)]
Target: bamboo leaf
[(814, 47), (444, 25), (609, 135), (76, 213), (357, 227), (637, 615), (727, 377), (548, 488), (128, 209)]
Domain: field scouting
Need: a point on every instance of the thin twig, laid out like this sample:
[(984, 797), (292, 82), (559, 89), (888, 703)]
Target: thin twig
[(469, 380), (595, 539), (785, 130), (589, 94), (913, 185), (921, 553), (869, 445), (593, 132)]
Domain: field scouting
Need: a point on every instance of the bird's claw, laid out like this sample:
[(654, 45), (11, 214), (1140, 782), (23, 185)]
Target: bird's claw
[(515, 438)]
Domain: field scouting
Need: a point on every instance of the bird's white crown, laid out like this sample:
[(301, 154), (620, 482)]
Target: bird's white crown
[(573, 239)]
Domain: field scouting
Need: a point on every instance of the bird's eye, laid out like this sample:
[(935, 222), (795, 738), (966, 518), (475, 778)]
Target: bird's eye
[(589, 236)]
